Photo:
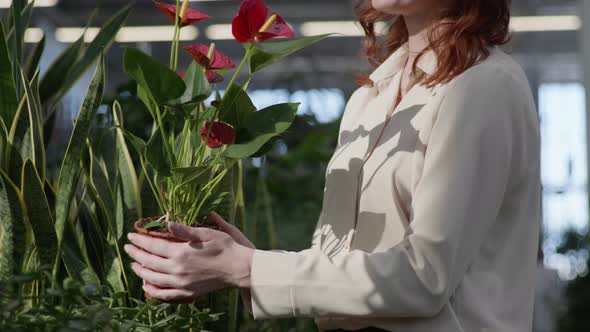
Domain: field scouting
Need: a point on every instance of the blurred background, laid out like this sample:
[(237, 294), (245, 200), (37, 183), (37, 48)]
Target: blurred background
[(551, 40)]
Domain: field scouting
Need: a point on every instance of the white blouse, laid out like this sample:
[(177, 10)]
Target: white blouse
[(437, 229)]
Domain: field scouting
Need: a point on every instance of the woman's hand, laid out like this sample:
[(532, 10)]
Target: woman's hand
[(232, 230), (211, 260)]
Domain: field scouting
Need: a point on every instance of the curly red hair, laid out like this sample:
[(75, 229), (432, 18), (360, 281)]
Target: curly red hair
[(463, 35)]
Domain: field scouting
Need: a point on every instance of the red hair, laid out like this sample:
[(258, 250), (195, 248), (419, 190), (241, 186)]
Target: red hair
[(460, 36)]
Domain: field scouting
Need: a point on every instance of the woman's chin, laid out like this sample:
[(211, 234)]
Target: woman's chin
[(395, 7)]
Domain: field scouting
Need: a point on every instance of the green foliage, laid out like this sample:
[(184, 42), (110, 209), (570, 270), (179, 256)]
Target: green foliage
[(236, 105), (197, 86), (78, 58), (260, 127), (74, 306), (159, 82), (70, 170), (8, 96), (265, 54), (35, 127), (10, 219), (39, 214), (157, 155), (128, 192)]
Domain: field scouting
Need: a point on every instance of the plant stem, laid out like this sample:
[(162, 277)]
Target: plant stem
[(239, 69), (177, 43), (154, 190), (239, 203), (174, 39)]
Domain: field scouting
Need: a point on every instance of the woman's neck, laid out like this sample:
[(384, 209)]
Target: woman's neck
[(418, 29)]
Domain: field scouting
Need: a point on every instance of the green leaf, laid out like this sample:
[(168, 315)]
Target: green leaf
[(10, 218), (197, 86), (55, 76), (21, 18), (19, 147), (104, 197), (74, 62), (8, 96), (157, 155), (70, 169), (39, 214), (114, 271), (13, 163), (235, 106), (150, 104), (265, 54), (34, 57), (161, 83), (76, 267), (129, 183), (138, 143), (35, 123), (153, 225), (193, 175), (261, 126), (99, 45), (102, 193)]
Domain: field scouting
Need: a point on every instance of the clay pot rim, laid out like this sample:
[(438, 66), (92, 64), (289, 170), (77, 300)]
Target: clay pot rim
[(162, 233)]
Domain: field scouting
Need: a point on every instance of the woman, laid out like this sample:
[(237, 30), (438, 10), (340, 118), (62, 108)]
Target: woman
[(430, 219)]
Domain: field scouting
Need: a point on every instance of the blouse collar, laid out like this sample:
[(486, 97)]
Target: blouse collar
[(397, 60)]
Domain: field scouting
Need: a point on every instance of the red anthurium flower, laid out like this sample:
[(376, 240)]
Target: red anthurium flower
[(190, 17), (218, 61), (256, 22), (220, 133)]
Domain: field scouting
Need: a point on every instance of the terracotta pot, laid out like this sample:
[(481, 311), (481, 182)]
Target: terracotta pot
[(163, 234)]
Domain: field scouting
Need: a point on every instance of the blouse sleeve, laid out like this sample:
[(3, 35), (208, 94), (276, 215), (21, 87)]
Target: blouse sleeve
[(466, 170)]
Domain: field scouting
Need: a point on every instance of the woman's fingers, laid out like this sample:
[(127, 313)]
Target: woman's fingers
[(169, 294), (155, 278), (153, 245), (230, 229), (188, 233), (148, 260), (224, 226)]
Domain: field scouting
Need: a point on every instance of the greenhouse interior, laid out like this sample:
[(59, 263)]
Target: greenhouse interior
[(230, 117)]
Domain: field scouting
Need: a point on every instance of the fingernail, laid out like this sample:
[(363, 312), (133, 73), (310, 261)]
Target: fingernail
[(126, 248), (130, 236)]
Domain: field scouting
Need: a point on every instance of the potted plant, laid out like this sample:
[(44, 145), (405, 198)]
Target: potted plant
[(194, 144)]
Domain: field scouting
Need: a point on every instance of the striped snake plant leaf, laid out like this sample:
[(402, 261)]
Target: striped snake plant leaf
[(19, 143), (56, 73), (131, 198), (39, 214), (101, 192), (75, 266), (35, 128), (75, 258), (10, 220), (8, 96), (32, 63), (16, 39), (70, 169), (76, 60), (99, 45), (103, 195)]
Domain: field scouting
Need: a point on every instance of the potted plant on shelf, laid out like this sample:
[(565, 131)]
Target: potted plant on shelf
[(194, 144)]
